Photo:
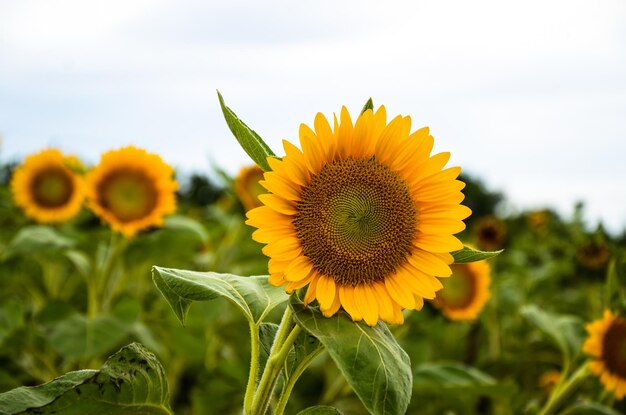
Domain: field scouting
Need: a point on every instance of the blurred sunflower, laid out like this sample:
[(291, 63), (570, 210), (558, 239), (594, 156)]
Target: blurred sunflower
[(247, 187), (538, 219), (607, 344), (490, 233), (593, 255), (465, 294), (549, 380), (363, 215), (131, 190), (47, 188)]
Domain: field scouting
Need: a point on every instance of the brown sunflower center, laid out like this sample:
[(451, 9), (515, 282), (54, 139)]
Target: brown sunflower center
[(128, 194), (459, 290), (614, 348), (356, 221), (52, 187)]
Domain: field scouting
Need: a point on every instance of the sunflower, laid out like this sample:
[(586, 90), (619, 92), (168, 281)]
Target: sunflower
[(490, 233), (594, 255), (363, 216), (131, 189), (47, 188), (465, 294), (549, 380), (247, 186), (607, 344)]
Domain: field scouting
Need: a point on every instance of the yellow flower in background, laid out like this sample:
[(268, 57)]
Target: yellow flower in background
[(465, 293), (131, 190), (363, 215), (46, 187), (247, 187), (607, 344), (549, 380)]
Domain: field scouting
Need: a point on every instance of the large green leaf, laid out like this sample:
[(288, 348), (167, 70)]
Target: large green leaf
[(253, 295), (468, 254), (130, 381), (249, 140), (320, 410), (11, 318), (183, 223), (77, 336), (370, 359), (454, 378), (37, 238), (565, 331)]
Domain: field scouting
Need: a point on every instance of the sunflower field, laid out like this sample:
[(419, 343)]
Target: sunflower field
[(350, 272)]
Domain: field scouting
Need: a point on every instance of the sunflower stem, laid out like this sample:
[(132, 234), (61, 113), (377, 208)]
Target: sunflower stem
[(254, 367), (286, 392), (285, 337), (560, 393)]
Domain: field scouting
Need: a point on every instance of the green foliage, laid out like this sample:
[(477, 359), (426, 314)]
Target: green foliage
[(369, 105), (566, 332), (450, 379), (370, 359), (38, 238), (320, 410), (249, 140), (254, 296), (131, 381), (468, 254)]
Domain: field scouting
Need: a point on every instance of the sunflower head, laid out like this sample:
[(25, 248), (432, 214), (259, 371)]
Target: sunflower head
[(490, 233), (247, 187), (46, 187), (538, 219), (549, 380), (131, 190), (593, 255), (466, 292), (606, 344), (363, 216)]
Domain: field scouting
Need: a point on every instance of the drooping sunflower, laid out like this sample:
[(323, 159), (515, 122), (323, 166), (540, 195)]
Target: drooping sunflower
[(607, 344), (363, 215), (465, 293), (247, 186), (47, 187), (131, 190)]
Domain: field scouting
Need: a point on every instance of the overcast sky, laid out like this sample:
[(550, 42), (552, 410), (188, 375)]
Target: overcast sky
[(530, 96)]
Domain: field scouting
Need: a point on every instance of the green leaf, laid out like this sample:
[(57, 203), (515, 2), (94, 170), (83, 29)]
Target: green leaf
[(80, 261), (589, 408), (369, 105), (253, 295), (183, 223), (11, 318), (130, 381), (320, 410), (565, 331), (457, 379), (370, 359), (249, 140), (468, 254), (37, 238), (77, 336)]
